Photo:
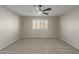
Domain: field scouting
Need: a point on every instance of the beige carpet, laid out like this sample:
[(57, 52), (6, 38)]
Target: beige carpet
[(39, 46)]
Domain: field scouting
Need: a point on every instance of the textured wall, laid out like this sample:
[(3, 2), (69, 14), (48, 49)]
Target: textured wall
[(69, 27), (9, 27)]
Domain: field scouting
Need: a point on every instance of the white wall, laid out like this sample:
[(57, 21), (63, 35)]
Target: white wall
[(27, 31), (9, 27), (69, 27)]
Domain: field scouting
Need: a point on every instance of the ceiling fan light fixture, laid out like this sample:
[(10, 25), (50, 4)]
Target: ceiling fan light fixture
[(39, 13)]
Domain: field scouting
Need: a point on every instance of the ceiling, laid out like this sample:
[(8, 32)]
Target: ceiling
[(25, 10)]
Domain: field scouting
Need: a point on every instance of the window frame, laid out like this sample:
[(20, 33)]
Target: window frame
[(40, 24)]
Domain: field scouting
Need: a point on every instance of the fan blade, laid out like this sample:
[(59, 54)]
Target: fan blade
[(47, 9), (45, 13)]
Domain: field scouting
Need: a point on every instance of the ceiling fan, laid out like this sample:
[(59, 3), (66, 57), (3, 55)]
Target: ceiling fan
[(40, 11)]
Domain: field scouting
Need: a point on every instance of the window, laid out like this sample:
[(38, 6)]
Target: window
[(40, 24)]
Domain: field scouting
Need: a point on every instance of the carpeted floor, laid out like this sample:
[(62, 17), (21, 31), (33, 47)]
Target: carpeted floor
[(39, 46)]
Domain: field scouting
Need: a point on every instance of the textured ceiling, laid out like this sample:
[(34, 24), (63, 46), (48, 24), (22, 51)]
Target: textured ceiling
[(24, 10)]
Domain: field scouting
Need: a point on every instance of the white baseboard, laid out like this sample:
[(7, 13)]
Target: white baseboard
[(39, 37), (70, 43), (8, 43)]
